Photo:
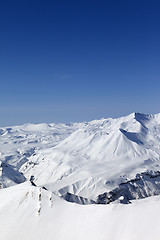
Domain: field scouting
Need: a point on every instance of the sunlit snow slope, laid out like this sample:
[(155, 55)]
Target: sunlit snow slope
[(28, 212), (86, 159), (68, 181)]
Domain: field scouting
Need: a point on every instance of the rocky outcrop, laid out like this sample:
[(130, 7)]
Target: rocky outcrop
[(144, 185), (69, 197)]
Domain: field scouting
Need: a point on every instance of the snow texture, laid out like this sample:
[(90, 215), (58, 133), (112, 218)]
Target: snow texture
[(70, 180)]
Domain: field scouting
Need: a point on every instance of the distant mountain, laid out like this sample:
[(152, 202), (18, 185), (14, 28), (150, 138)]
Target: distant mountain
[(88, 159)]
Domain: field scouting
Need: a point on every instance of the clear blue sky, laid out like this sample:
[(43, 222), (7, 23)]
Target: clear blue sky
[(63, 61)]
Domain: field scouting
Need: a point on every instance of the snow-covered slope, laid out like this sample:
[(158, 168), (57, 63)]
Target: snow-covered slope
[(84, 159), (107, 161), (97, 156), (28, 212)]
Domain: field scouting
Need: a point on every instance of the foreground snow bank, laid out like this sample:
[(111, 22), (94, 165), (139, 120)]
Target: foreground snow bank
[(29, 212)]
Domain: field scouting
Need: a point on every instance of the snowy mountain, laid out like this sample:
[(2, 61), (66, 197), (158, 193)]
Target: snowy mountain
[(28, 212), (107, 161)]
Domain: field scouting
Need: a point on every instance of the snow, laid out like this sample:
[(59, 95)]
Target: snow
[(59, 219), (98, 152), (102, 161)]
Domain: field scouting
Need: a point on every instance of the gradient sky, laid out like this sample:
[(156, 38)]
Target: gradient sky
[(63, 61)]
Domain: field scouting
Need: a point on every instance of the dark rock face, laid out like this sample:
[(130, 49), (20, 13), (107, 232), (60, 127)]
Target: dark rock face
[(144, 185), (69, 197), (9, 174)]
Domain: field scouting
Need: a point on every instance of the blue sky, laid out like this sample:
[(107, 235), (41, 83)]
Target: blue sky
[(63, 61)]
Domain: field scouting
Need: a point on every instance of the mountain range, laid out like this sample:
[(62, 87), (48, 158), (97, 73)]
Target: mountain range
[(81, 180)]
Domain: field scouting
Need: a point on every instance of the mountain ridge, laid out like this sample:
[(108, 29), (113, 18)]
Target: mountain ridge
[(80, 158)]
